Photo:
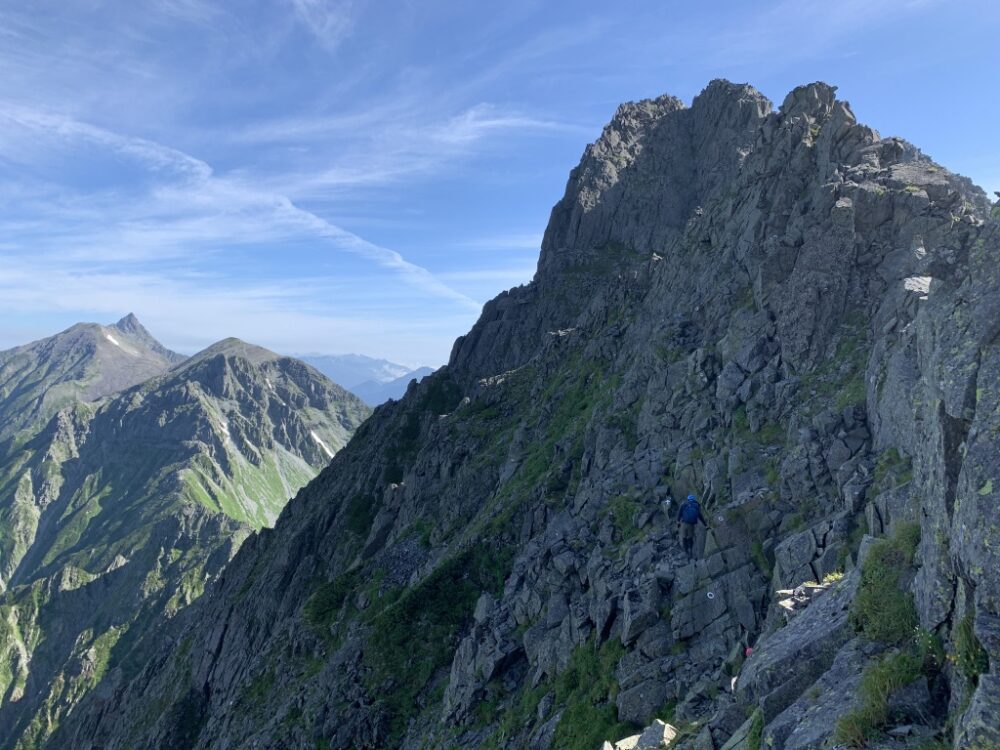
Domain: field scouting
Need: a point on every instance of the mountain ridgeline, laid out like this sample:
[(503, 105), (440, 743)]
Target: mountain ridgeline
[(780, 311), (149, 473), (82, 364)]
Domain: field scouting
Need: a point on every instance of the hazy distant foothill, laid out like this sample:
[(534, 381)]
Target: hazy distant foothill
[(374, 381)]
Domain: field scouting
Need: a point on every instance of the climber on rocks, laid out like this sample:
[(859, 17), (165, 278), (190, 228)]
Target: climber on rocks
[(688, 516)]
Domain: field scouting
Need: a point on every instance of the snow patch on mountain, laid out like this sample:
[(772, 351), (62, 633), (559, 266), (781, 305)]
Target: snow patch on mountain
[(321, 444)]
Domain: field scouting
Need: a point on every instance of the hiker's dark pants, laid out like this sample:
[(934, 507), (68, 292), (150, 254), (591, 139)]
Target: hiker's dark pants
[(687, 538)]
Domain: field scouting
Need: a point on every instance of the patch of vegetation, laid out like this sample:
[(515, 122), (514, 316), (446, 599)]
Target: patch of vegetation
[(808, 509), (853, 392), (881, 610), (891, 470), (258, 690), (581, 388), (437, 608), (394, 472), (970, 656), (626, 422), (741, 424), (422, 530), (931, 649), (878, 682), (840, 378), (623, 510), (857, 530), (667, 711), (442, 396), (760, 559), (769, 433), (995, 212), (756, 731), (587, 690), (523, 712), (669, 353), (322, 607), (360, 513), (771, 474)]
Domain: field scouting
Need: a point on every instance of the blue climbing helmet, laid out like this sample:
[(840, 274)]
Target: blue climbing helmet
[(690, 510)]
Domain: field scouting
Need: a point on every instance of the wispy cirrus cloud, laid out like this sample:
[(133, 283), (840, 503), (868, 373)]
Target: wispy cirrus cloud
[(331, 21), (388, 143), (195, 207), (483, 120)]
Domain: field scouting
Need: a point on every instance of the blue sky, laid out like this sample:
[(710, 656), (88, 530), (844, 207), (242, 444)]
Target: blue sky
[(361, 175)]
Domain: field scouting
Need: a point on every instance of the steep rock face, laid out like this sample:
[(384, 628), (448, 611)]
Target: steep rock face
[(118, 515), (780, 311)]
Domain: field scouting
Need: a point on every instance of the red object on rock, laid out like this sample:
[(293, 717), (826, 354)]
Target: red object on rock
[(748, 652)]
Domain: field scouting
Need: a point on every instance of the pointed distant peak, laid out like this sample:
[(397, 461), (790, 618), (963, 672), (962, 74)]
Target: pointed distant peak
[(130, 324), (136, 332)]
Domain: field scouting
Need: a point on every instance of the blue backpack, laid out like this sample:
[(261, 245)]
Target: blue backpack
[(690, 511)]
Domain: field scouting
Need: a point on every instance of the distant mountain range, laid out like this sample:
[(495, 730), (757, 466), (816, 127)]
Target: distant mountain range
[(374, 392), (375, 381), (129, 476), (82, 364)]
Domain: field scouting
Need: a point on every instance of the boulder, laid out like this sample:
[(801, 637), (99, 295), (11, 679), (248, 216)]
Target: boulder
[(638, 703)]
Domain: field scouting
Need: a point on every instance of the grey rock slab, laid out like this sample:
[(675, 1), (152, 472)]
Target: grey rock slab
[(786, 663)]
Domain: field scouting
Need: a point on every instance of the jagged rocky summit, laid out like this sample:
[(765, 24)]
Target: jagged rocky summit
[(118, 512), (781, 311)]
